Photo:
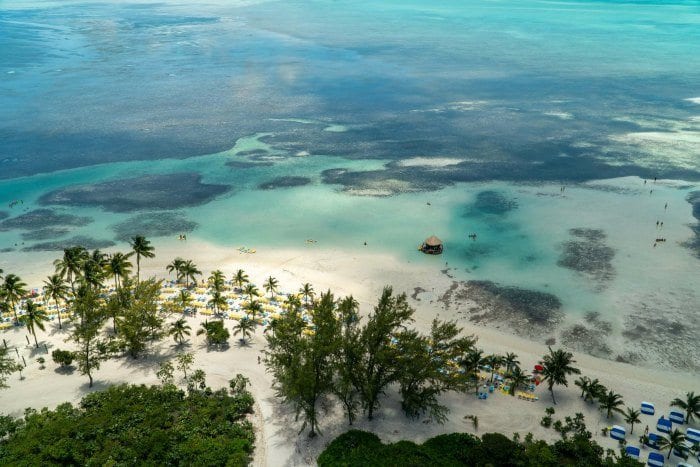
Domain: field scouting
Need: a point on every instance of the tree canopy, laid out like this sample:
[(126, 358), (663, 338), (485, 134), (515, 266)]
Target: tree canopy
[(128, 425)]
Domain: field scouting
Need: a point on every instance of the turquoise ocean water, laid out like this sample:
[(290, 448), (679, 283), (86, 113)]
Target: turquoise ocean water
[(266, 123)]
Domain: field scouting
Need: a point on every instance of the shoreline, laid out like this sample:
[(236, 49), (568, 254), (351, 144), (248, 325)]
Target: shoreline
[(363, 275)]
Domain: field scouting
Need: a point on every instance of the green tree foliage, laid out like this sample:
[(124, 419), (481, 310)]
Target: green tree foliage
[(33, 318), (216, 334), (632, 418), (675, 440), (56, 289), (376, 365), (245, 327), (140, 322), (240, 279), (128, 425), (184, 362), (301, 363), (611, 402), (197, 381), (470, 363), (176, 266), (63, 358), (356, 448), (7, 366), (166, 373), (345, 359), (142, 248), (179, 329), (691, 406), (423, 369), (13, 289), (119, 268), (557, 366), (92, 312), (189, 272), (271, 285)]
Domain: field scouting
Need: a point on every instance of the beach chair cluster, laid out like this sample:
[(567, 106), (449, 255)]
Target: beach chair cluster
[(664, 425), (527, 396), (237, 303), (7, 319)]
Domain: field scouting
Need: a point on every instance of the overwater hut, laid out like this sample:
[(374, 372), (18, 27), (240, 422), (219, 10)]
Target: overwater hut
[(432, 246)]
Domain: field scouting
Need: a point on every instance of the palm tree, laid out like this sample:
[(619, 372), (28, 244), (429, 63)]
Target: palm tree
[(142, 248), (216, 281), (510, 361), (189, 271), (34, 318), (118, 267), (93, 269), (270, 285), (251, 291), (245, 328), (14, 289), (292, 303), (595, 390), (471, 363), (611, 402), (632, 417), (240, 278), (584, 382), (518, 378), (56, 288), (691, 405), (218, 302), (308, 292), (71, 265), (674, 441), (556, 367), (184, 299), (176, 266), (179, 329), (253, 308), (494, 361)]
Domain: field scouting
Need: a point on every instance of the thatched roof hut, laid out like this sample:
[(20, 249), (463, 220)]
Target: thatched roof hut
[(432, 245)]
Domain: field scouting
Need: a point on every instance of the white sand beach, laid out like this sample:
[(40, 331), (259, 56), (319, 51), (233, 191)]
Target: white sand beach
[(362, 275)]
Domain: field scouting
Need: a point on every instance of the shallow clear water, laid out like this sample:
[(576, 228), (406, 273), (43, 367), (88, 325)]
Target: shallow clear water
[(507, 101)]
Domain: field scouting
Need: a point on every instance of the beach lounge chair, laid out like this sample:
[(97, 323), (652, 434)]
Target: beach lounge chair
[(633, 452), (693, 435), (677, 417), (664, 425), (655, 459), (654, 440), (617, 432), (647, 408)]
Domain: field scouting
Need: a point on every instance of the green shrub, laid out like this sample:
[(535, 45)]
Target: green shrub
[(463, 448), (63, 357), (354, 447), (129, 425), (216, 333)]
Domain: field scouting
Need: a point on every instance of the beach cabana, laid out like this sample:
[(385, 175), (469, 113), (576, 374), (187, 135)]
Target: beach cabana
[(655, 459), (677, 417), (693, 435), (633, 452), (432, 246), (617, 432), (664, 425), (647, 408)]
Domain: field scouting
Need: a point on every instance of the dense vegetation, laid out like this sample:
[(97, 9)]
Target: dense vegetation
[(128, 425), (359, 448), (322, 348)]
